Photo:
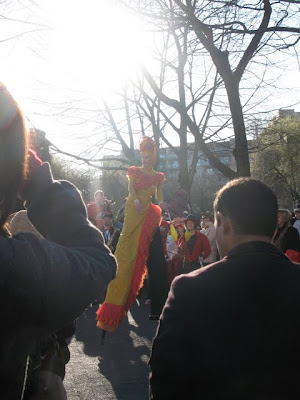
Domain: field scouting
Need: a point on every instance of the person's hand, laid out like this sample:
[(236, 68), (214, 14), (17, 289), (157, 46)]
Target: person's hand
[(138, 206), (33, 161)]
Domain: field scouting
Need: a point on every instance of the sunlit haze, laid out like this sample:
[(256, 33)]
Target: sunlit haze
[(74, 50), (96, 44), (92, 47)]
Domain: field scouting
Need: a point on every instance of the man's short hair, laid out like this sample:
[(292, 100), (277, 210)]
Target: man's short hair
[(250, 204), (107, 214)]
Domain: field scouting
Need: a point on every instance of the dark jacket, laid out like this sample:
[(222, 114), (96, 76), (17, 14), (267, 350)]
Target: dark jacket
[(231, 330), (112, 241), (287, 238), (45, 285)]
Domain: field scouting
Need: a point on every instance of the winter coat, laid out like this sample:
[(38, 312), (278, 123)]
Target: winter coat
[(287, 238), (197, 246), (44, 285), (111, 237)]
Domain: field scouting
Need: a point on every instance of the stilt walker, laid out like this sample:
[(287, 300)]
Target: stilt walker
[(142, 217)]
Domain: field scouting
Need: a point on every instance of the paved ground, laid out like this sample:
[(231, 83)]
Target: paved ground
[(117, 369)]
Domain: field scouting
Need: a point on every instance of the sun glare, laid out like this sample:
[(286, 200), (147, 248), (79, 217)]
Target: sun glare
[(97, 45)]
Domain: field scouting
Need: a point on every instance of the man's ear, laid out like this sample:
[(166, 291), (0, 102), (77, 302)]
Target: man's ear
[(219, 218), (223, 222)]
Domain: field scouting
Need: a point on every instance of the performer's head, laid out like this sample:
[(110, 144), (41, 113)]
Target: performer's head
[(148, 152), (13, 150)]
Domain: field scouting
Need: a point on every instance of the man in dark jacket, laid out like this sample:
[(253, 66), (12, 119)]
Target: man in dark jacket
[(45, 284), (231, 330), (110, 234)]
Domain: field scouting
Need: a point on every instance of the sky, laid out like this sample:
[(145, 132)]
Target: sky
[(86, 49), (74, 50)]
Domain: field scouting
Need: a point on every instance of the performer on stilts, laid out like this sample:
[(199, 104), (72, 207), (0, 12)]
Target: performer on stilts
[(142, 217)]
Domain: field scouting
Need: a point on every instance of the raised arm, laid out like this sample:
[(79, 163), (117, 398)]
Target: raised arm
[(132, 192), (59, 277)]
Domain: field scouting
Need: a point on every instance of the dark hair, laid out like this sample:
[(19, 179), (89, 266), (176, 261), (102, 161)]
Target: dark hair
[(191, 217), (13, 150), (250, 204)]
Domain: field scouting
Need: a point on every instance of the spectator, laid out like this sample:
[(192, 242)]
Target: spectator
[(44, 285), (177, 228), (96, 208), (193, 246), (209, 230), (157, 274), (297, 218), (48, 360), (286, 237), (170, 250), (111, 235), (231, 330)]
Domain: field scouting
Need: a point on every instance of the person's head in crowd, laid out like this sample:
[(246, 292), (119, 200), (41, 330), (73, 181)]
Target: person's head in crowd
[(190, 222), (164, 228), (99, 196), (245, 210), (185, 214), (297, 211), (207, 219), (13, 150), (284, 217), (107, 219)]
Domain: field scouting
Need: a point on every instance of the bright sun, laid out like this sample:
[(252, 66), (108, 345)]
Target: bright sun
[(97, 44)]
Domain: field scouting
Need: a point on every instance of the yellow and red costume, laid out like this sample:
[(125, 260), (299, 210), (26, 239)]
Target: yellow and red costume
[(133, 246)]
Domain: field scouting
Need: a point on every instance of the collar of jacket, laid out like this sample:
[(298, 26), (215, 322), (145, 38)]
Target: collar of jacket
[(254, 247)]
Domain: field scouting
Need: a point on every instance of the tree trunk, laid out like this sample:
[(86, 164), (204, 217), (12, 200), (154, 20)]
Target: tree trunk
[(240, 151)]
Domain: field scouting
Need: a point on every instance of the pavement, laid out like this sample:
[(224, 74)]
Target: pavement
[(117, 369)]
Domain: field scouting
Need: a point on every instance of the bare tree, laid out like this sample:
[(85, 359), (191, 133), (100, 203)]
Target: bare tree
[(232, 34), (211, 61)]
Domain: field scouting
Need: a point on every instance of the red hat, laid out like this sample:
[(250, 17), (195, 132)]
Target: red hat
[(293, 255), (147, 144), (165, 224)]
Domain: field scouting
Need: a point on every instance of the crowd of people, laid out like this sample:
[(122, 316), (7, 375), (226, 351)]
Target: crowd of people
[(224, 285)]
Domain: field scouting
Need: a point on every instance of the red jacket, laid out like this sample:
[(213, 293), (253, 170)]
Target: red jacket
[(201, 247)]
